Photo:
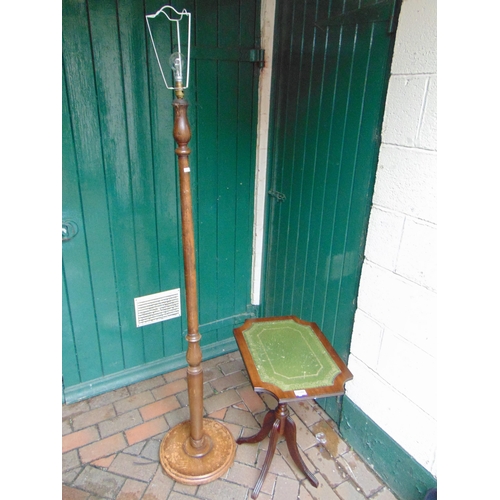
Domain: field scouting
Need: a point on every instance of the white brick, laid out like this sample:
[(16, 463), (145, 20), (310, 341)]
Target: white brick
[(410, 370), (417, 259), (415, 49), (405, 422), (403, 109), (427, 137), (385, 230), (366, 339), (406, 181), (402, 306)]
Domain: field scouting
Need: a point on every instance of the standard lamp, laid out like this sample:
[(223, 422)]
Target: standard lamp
[(198, 450)]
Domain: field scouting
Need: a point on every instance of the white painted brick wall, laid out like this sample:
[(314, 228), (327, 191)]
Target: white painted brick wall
[(406, 181), (417, 253), (393, 349), (415, 51), (413, 428)]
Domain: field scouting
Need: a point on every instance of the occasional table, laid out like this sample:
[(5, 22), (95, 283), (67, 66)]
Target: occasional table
[(291, 360)]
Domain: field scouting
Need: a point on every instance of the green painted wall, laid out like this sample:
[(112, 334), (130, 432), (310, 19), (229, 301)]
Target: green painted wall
[(120, 186)]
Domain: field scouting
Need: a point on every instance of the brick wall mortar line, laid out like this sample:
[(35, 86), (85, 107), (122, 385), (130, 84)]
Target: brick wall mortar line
[(400, 276), (401, 235), (430, 73), (395, 389), (422, 110), (392, 211), (402, 146)]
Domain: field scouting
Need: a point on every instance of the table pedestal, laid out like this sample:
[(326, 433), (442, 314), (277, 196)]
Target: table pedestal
[(278, 423)]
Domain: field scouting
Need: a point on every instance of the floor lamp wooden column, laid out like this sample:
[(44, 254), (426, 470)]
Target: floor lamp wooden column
[(199, 450)]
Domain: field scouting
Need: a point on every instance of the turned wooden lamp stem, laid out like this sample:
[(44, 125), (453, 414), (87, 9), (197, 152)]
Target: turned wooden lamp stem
[(199, 450), (182, 136)]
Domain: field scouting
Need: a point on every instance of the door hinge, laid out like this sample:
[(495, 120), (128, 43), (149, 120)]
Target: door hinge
[(276, 194), (257, 56)]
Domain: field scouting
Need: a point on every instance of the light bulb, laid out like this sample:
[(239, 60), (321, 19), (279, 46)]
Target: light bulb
[(177, 62)]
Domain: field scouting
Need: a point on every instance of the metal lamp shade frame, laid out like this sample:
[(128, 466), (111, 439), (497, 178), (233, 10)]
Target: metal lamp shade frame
[(177, 22)]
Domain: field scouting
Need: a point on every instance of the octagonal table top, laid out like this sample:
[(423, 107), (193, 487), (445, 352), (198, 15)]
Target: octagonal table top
[(290, 358)]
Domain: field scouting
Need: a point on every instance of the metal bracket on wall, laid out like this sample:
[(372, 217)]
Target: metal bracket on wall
[(254, 55), (386, 10), (276, 194)]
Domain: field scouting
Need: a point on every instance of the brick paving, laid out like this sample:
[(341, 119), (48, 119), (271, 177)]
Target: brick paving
[(110, 444)]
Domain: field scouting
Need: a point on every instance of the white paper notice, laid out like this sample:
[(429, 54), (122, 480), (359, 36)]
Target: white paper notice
[(300, 393)]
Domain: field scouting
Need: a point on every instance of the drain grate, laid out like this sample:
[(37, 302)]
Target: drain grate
[(157, 307)]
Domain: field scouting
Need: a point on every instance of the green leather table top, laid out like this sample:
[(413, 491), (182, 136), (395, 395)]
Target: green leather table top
[(290, 355)]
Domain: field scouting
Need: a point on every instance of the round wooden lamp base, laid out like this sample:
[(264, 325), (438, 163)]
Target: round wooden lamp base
[(182, 464)]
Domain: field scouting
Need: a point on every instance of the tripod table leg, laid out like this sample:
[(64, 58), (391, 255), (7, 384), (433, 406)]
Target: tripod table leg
[(291, 441), (267, 425), (273, 439)]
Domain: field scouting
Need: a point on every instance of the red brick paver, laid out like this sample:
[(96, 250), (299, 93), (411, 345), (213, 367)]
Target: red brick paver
[(73, 494), (111, 444), (161, 407), (234, 380), (93, 417), (132, 490), (104, 462), (169, 389), (102, 448), (120, 423), (133, 402), (175, 375), (159, 487), (133, 467), (252, 400), (79, 438), (146, 430)]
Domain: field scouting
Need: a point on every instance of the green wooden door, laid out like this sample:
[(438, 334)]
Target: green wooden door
[(330, 75), (120, 190)]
